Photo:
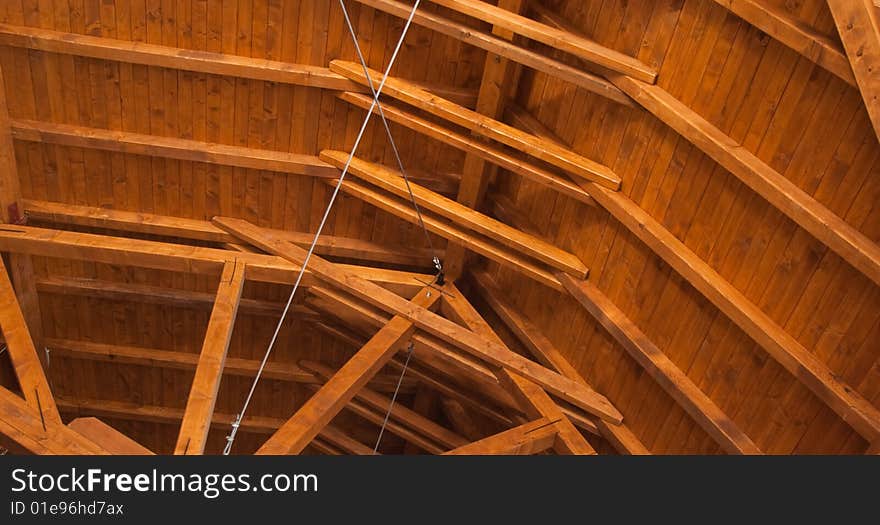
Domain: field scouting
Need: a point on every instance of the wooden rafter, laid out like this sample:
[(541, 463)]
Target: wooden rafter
[(544, 351), (179, 258), (532, 398), (23, 354), (107, 437), (23, 430), (191, 60), (212, 359), (781, 346), (503, 48), (530, 438), (322, 407), (465, 340), (858, 23), (490, 128), (136, 222)]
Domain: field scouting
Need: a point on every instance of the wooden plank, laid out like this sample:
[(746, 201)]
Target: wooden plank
[(110, 439), (531, 145), (545, 352), (328, 245), (25, 431), (553, 37), (444, 329), (675, 382), (805, 40), (533, 399), (460, 214), (336, 437), (533, 437), (131, 52), (322, 407), (781, 346), (503, 48), (476, 148), (858, 24), (401, 414), (178, 257), (172, 148), (23, 355), (209, 371)]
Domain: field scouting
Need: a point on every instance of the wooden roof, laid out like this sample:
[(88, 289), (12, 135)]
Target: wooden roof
[(658, 223)]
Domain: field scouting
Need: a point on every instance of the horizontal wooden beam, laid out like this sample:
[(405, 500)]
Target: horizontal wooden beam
[(531, 438), (209, 371), (620, 436), (462, 215), (489, 351), (107, 437), (562, 40), (779, 344), (192, 60), (796, 35), (178, 257), (23, 430), (481, 149), (482, 125), (502, 47), (167, 226), (322, 407)]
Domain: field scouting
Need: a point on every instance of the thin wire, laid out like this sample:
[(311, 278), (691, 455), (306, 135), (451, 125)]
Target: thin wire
[(378, 104), (409, 354), (230, 439)]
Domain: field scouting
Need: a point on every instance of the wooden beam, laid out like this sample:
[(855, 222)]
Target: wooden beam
[(531, 438), (620, 436), (781, 346), (477, 346), (478, 243), (235, 366), (853, 246), (476, 148), (336, 437), (482, 125), (503, 48), (796, 35), (401, 414), (171, 148), (461, 214), (562, 40), (212, 359), (308, 421), (533, 399), (192, 60), (26, 431), (858, 24), (675, 382), (107, 437), (23, 354), (179, 257), (167, 226)]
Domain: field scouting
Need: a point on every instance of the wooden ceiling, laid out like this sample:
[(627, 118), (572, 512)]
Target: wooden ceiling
[(670, 208)]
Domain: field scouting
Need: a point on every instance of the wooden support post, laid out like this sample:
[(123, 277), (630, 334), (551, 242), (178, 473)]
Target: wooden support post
[(531, 438), (490, 351), (308, 421), (209, 371)]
